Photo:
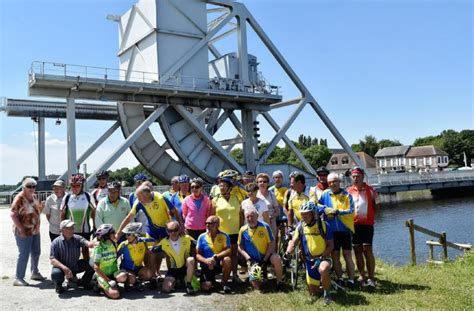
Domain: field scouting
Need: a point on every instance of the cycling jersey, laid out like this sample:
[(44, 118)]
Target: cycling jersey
[(279, 194), (177, 259), (316, 192), (132, 254), (177, 200), (208, 248), (78, 208), (342, 201), (239, 191), (296, 199), (313, 241), (364, 203), (112, 213), (157, 213), (99, 194), (255, 241), (105, 256), (229, 213)]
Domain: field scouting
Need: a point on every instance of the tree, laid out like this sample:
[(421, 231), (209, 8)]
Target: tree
[(368, 145), (383, 143)]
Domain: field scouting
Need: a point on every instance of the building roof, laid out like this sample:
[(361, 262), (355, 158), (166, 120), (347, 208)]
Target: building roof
[(366, 159), (423, 151), (392, 151)]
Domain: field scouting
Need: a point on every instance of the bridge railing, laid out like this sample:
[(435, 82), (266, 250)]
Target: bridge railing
[(394, 179)]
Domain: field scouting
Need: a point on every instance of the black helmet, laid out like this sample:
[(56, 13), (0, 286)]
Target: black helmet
[(322, 170), (101, 173)]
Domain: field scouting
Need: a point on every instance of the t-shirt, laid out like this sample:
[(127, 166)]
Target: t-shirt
[(271, 202), (196, 211), (208, 247), (112, 213), (255, 241), (52, 208), (229, 213), (364, 204), (105, 256), (132, 254), (177, 258), (67, 251), (259, 205), (78, 209), (312, 242), (28, 214)]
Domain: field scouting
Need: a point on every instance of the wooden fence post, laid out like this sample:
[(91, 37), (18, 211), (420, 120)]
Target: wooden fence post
[(443, 241), (411, 228)]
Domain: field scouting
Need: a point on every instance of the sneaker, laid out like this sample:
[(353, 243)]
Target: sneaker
[(370, 283), (340, 282), (189, 289), (60, 289), (37, 277), (361, 281), (327, 300), (226, 289), (73, 283), (279, 287), (236, 280), (20, 282), (350, 284)]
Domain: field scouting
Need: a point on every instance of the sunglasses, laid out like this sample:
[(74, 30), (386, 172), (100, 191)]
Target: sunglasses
[(263, 182), (76, 186), (195, 187), (210, 223), (30, 187), (172, 231)]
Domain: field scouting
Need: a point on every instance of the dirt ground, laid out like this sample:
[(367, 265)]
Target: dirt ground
[(41, 295)]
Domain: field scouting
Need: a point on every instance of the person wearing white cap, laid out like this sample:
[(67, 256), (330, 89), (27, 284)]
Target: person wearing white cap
[(25, 213), (64, 257), (52, 208)]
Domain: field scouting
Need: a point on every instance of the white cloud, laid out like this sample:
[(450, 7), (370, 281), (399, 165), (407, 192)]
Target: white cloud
[(54, 142), (35, 134)]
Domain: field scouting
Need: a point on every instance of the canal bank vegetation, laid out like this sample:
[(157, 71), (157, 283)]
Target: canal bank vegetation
[(448, 286)]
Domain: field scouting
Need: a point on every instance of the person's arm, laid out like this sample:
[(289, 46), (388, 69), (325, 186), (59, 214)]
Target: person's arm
[(67, 272), (125, 222), (100, 273), (276, 205), (329, 248), (244, 253), (18, 225), (99, 215), (266, 217)]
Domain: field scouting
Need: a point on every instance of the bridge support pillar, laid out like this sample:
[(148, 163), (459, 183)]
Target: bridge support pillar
[(41, 150), (71, 136)]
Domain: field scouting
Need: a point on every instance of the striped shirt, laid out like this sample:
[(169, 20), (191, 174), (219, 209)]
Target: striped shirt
[(67, 251)]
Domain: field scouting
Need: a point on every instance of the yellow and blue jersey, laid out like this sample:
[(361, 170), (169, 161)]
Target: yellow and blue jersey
[(208, 248), (133, 254), (228, 213), (255, 241), (313, 241), (342, 201), (157, 213), (177, 260), (296, 199)]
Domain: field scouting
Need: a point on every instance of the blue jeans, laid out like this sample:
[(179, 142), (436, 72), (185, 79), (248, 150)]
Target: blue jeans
[(57, 275), (29, 245)]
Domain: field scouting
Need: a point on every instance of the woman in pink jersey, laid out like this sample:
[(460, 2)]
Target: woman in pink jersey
[(196, 208)]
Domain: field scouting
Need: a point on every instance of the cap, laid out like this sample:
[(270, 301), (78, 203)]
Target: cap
[(59, 183), (66, 223)]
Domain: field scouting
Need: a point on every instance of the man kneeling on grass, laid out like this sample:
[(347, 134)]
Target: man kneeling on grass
[(213, 253), (315, 238), (180, 251), (256, 245)]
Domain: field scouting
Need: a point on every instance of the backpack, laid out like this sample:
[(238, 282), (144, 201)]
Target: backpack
[(322, 232)]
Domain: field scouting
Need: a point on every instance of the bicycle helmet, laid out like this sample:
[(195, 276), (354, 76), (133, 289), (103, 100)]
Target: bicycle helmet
[(101, 173), (229, 174), (103, 231), (255, 273), (114, 185), (140, 177), (322, 170), (133, 228), (198, 181), (76, 179), (307, 207), (228, 181), (183, 179)]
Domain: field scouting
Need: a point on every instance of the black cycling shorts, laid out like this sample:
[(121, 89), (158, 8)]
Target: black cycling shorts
[(233, 238), (364, 235), (210, 275), (177, 273), (342, 239)]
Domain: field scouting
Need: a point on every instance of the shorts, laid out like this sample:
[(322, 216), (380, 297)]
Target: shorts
[(210, 275), (156, 233), (176, 273), (194, 233), (342, 239), (364, 235), (134, 271), (103, 283), (312, 271), (233, 238)]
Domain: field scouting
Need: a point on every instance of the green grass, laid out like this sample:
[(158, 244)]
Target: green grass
[(427, 286)]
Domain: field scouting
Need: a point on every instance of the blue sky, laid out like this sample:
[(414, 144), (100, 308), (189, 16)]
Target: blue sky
[(393, 69)]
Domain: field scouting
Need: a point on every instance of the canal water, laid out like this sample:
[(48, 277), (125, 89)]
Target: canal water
[(391, 239)]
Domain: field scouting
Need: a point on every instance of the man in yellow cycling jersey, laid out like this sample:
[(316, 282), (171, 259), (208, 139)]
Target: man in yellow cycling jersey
[(298, 195), (180, 250)]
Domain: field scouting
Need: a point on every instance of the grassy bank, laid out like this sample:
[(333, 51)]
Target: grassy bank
[(441, 287)]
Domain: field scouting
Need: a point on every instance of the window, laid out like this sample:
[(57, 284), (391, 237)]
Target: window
[(345, 160), (446, 159), (334, 161), (440, 160)]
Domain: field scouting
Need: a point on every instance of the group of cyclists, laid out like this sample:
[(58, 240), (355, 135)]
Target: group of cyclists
[(242, 222)]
